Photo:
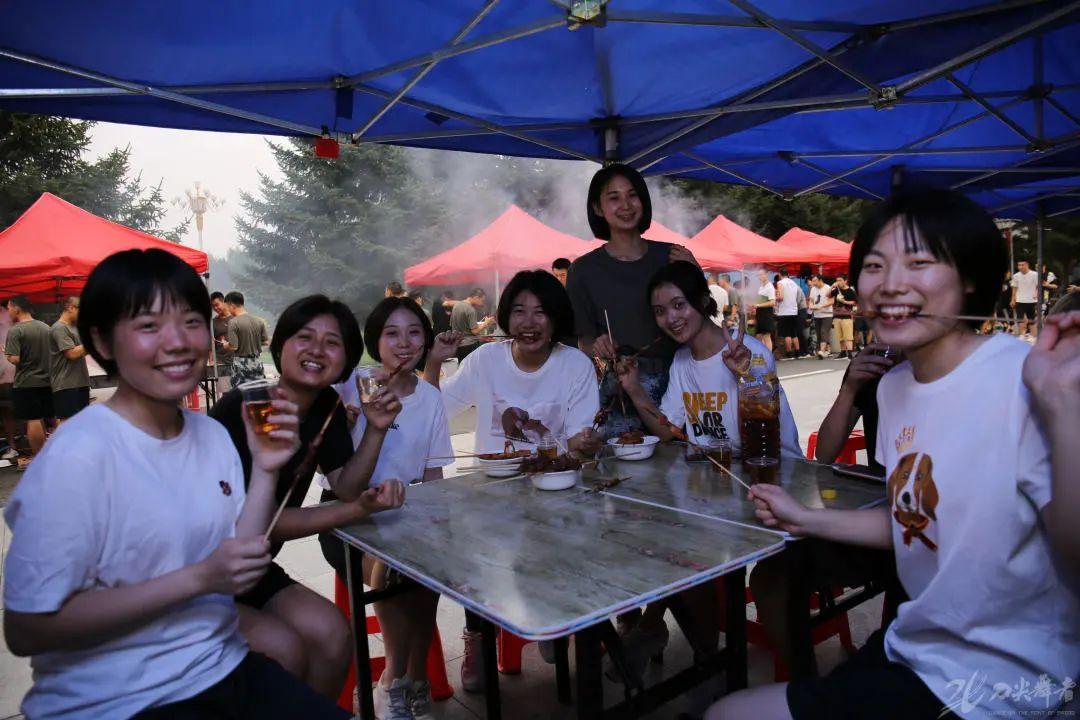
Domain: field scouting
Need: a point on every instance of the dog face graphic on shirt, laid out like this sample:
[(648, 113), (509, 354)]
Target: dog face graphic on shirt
[(913, 496)]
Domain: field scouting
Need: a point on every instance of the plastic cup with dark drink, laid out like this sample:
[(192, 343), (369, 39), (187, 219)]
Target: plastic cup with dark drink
[(762, 469), (258, 396), (720, 451), (759, 416)]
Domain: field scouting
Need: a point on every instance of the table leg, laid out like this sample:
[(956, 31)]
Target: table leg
[(488, 633), (735, 634), (562, 670), (590, 689), (354, 566), (799, 572)]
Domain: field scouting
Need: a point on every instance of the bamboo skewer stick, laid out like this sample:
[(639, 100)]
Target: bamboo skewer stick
[(982, 318), (305, 465), (614, 361), (694, 419)]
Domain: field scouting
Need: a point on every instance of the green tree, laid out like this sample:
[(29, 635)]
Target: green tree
[(343, 226), (47, 154)]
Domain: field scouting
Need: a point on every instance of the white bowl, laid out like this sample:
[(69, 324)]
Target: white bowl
[(557, 480), (502, 468), (640, 451)]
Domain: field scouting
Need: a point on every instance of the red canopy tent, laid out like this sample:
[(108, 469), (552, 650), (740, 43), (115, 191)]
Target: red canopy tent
[(823, 250), (662, 233), (724, 244), (514, 241), (50, 250)]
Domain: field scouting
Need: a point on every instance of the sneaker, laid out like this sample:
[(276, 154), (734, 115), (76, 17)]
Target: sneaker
[(9, 454), (392, 703), (638, 647), (547, 651), (472, 665), (420, 700)]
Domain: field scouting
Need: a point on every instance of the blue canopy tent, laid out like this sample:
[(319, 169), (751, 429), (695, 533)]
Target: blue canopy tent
[(794, 97)]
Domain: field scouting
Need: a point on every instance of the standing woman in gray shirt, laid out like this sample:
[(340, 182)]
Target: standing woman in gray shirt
[(613, 278)]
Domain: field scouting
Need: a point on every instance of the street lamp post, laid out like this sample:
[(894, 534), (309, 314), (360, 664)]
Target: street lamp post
[(199, 202)]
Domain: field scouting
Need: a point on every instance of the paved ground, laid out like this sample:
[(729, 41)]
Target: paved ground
[(811, 386)]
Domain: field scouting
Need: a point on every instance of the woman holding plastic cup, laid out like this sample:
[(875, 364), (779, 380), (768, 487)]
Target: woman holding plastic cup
[(315, 344)]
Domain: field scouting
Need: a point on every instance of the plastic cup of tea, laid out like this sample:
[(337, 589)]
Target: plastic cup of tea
[(720, 451), (368, 382), (258, 396), (762, 469)]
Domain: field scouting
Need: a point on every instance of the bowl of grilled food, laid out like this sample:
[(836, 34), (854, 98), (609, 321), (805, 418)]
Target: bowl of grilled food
[(633, 445), (558, 473), (503, 464)]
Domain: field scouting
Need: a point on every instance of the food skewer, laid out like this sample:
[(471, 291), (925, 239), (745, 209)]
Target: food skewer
[(982, 318), (306, 464), (614, 362)]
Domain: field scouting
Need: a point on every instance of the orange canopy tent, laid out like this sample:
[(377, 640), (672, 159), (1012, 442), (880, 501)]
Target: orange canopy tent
[(822, 250), (724, 244), (50, 250), (514, 241)]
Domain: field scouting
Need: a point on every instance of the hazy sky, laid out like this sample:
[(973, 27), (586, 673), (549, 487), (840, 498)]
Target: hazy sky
[(225, 163)]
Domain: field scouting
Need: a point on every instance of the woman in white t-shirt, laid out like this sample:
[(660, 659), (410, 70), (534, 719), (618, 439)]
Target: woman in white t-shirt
[(526, 390), (982, 501), (132, 530), (415, 448)]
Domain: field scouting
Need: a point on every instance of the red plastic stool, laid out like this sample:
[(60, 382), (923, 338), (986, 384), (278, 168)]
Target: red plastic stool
[(436, 664), (755, 631), (856, 441)]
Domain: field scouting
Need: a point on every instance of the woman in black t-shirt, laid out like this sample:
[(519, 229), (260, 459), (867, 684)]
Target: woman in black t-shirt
[(316, 343)]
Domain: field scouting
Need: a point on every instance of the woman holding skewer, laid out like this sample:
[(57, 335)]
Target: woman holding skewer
[(415, 448), (134, 528), (528, 390), (316, 343), (702, 395), (977, 435), (606, 287)]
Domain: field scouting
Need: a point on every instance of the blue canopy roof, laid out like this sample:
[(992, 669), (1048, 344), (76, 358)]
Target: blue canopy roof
[(789, 95)]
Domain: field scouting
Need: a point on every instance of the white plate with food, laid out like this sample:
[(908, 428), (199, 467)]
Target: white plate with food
[(633, 446)]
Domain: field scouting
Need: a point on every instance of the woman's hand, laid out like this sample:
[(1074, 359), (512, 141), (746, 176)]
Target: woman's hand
[(680, 253), (1052, 368), (235, 566), (270, 451), (738, 355), (586, 442), (603, 347), (445, 347), (388, 495), (776, 508), (381, 410), (868, 365)]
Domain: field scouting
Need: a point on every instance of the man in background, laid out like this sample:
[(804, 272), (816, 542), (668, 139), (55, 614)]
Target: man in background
[(394, 289), (27, 348), (720, 295), (246, 340), (417, 297), (787, 314), (7, 377), (69, 377), (220, 328), (821, 303), (465, 319), (440, 312), (560, 268)]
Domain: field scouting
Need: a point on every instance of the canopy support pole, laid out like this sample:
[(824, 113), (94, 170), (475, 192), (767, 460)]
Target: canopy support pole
[(1040, 217), (822, 171), (1068, 143), (738, 176), (1005, 119), (1071, 192), (426, 68)]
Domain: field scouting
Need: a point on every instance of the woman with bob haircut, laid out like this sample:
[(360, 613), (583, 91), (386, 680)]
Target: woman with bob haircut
[(415, 448), (315, 344), (528, 390), (607, 285), (134, 528), (709, 362), (978, 438)]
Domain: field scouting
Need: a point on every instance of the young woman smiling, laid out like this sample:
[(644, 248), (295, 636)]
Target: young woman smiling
[(982, 502), (133, 529), (315, 344)]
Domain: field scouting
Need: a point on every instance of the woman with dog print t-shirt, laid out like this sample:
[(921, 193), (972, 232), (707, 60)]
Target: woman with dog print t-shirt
[(976, 518)]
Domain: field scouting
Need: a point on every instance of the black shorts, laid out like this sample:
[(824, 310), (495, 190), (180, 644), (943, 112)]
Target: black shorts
[(68, 402), (258, 688), (32, 403), (1025, 310), (274, 581), (866, 686), (862, 325), (764, 321), (5, 395), (789, 325)]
